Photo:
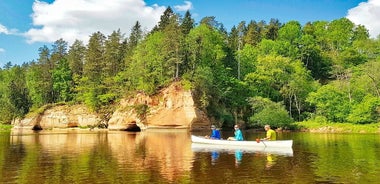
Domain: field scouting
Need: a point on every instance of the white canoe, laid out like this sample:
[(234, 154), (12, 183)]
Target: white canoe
[(281, 147), (262, 143)]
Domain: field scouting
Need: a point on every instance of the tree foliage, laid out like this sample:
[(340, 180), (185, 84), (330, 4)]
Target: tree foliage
[(268, 112), (257, 72)]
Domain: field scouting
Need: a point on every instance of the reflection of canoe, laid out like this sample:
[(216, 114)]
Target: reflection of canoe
[(199, 147), (260, 144), (282, 147)]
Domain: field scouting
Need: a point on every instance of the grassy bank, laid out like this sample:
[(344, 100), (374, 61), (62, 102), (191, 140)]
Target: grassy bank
[(338, 127), (5, 128)]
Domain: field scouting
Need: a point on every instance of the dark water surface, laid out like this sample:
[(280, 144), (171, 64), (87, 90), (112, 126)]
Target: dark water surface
[(167, 156)]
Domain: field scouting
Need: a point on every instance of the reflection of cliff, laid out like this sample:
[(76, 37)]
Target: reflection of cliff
[(61, 142), (167, 152)]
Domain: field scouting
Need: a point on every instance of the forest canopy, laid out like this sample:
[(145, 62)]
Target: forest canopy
[(257, 73)]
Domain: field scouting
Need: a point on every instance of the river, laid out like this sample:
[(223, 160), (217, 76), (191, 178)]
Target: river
[(167, 156)]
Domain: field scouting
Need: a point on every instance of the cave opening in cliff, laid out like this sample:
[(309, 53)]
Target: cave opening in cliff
[(133, 128)]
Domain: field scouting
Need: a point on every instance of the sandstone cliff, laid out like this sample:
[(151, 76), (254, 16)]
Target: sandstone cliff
[(172, 107), (59, 116)]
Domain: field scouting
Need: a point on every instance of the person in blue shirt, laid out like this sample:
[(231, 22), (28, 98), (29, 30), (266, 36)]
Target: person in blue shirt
[(215, 133), (238, 134)]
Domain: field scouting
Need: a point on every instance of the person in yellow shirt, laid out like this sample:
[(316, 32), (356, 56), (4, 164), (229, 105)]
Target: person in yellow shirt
[(271, 134)]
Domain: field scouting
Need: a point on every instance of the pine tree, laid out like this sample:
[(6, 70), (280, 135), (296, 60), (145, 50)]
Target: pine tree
[(165, 18), (76, 58), (187, 23)]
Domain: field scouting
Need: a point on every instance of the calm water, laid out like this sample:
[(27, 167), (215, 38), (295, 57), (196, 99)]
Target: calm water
[(168, 157)]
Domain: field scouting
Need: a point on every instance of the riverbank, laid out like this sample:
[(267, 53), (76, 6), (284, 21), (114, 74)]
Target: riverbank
[(5, 128), (314, 127), (308, 126)]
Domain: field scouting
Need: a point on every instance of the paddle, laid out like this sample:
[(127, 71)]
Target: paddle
[(259, 140)]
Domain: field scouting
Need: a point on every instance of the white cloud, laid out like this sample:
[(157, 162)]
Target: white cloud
[(78, 19), (367, 14), (3, 29), (187, 6), (2, 50), (7, 31)]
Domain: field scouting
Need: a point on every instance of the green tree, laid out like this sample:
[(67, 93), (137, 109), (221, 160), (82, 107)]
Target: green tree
[(331, 102), (59, 50), (254, 33), (134, 39), (76, 56), (113, 65), (365, 112), (312, 56), (91, 86), (34, 84), (94, 58), (187, 23), (58, 53), (291, 32), (6, 114), (271, 31), (271, 74), (173, 39), (296, 90), (165, 19), (367, 78), (39, 79), (14, 99), (62, 81), (210, 22), (206, 46), (113, 56), (248, 58), (147, 72), (340, 33)]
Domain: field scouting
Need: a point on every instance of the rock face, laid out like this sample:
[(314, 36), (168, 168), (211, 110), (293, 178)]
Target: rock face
[(61, 116), (173, 107)]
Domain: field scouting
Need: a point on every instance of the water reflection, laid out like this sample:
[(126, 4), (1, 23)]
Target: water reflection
[(238, 157), (269, 155), (199, 147), (100, 157), (170, 157), (271, 161), (166, 151), (214, 157)]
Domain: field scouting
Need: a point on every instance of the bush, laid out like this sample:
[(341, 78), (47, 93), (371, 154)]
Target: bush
[(365, 112), (269, 112), (273, 117)]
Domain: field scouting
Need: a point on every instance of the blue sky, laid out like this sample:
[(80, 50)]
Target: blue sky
[(26, 25)]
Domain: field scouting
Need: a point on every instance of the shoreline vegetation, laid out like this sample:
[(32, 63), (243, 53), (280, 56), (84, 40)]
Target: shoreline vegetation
[(315, 127), (311, 127), (5, 127)]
